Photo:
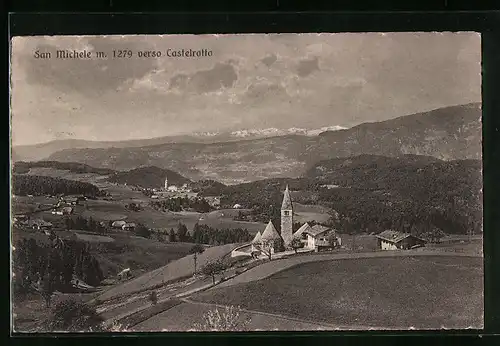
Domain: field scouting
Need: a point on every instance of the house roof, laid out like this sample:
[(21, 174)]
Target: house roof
[(270, 233), (317, 230), (40, 222), (394, 236), (257, 238), (303, 229), (287, 200)]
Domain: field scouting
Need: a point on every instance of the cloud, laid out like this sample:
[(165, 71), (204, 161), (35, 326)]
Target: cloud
[(222, 75), (269, 60), (289, 80), (307, 67), (86, 76)]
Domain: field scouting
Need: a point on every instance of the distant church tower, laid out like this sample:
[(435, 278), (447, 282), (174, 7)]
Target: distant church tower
[(166, 184), (287, 218)]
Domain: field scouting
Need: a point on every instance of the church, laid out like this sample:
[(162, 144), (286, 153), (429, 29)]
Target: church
[(315, 238)]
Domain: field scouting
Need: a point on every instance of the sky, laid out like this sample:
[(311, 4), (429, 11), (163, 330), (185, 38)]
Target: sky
[(249, 82)]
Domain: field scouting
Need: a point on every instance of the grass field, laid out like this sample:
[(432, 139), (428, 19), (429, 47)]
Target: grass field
[(306, 213), (172, 271), (185, 316), (419, 292)]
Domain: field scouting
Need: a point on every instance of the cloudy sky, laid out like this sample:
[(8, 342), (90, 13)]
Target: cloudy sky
[(250, 81)]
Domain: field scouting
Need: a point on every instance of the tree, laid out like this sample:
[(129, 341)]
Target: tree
[(195, 250), (73, 316), (270, 246), (47, 288), (153, 297), (228, 319), (143, 231), (296, 244), (182, 232), (213, 268), (171, 236), (332, 239)]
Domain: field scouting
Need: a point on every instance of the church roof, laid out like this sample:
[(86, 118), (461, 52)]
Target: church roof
[(287, 200), (257, 238), (270, 233), (303, 229)]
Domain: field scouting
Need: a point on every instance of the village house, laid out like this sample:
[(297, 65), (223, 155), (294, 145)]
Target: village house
[(118, 224), (124, 274), (67, 210), (393, 240), (128, 226), (40, 225), (318, 237)]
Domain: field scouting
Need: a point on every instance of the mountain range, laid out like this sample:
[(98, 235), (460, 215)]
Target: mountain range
[(42, 151), (451, 133)]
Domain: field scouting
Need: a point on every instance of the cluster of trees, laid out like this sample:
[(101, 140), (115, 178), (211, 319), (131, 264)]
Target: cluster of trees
[(176, 204), (36, 185), (208, 187), (204, 234), (72, 316), (81, 223), (133, 206), (413, 194), (148, 177), (49, 267), (75, 167)]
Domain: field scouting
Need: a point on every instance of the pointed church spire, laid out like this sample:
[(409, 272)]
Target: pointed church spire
[(287, 200)]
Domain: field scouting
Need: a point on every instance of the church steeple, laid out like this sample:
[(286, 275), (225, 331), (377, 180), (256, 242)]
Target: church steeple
[(287, 218), (287, 200)]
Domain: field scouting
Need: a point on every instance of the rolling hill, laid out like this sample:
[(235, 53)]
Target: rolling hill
[(451, 133), (377, 191), (148, 177)]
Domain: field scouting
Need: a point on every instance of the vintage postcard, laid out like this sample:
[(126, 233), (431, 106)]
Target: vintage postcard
[(246, 182)]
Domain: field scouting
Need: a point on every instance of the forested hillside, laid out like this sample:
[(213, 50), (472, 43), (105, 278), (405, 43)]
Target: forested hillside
[(374, 193), (148, 177), (36, 185), (21, 167)]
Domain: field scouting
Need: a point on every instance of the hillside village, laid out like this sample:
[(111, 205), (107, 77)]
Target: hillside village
[(139, 244)]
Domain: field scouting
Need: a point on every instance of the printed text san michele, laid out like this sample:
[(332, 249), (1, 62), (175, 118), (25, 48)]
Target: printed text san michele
[(124, 54)]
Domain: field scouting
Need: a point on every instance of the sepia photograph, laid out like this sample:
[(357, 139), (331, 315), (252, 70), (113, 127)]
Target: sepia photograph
[(256, 182)]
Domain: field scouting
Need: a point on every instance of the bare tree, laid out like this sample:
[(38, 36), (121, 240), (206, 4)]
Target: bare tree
[(227, 319), (195, 250), (213, 268), (296, 244), (267, 248), (153, 297)]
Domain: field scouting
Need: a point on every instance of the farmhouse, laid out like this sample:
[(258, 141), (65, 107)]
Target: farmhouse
[(393, 240), (318, 237), (118, 224), (40, 224), (124, 274), (128, 227), (67, 210)]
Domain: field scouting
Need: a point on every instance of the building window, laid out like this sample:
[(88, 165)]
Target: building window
[(286, 212)]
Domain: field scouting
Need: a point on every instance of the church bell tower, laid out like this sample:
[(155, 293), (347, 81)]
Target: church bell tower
[(287, 218)]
